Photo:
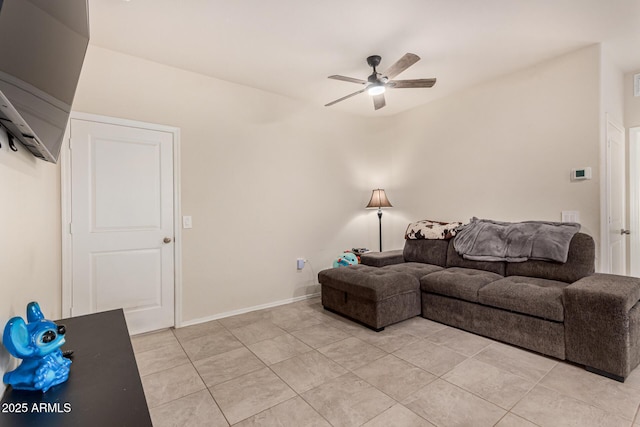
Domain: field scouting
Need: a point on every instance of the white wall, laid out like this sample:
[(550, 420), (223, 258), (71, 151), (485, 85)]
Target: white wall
[(611, 89), (30, 259), (504, 150), (266, 179), (631, 102)]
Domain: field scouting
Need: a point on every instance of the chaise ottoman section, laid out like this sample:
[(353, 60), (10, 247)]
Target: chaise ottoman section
[(372, 296)]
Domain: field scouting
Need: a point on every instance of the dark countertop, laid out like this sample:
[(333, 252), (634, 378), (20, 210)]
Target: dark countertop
[(104, 387)]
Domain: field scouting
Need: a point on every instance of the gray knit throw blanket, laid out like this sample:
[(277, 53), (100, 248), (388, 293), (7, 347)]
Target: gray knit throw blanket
[(487, 240)]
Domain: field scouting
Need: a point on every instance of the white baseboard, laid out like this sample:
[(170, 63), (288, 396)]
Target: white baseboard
[(247, 310)]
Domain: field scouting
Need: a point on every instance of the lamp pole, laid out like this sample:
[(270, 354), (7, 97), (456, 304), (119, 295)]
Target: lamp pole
[(380, 226)]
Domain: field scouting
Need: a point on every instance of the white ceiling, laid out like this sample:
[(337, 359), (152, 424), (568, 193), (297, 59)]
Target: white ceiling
[(289, 47)]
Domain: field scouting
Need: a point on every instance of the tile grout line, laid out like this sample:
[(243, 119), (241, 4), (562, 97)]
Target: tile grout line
[(164, 370), (388, 353), (201, 379), (265, 366), (527, 393), (481, 397), (507, 411), (517, 374), (191, 362), (571, 398), (397, 402), (162, 346), (349, 371), (599, 378), (298, 394), (322, 317)]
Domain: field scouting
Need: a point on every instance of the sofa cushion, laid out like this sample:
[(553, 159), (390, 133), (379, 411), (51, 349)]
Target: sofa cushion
[(526, 295), (380, 259), (455, 260), (456, 282), (416, 269), (426, 251), (369, 283), (580, 263)]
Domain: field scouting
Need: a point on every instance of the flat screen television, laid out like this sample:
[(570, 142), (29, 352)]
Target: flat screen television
[(42, 48)]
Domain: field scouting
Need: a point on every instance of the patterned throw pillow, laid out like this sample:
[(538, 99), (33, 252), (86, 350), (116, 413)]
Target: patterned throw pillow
[(427, 229)]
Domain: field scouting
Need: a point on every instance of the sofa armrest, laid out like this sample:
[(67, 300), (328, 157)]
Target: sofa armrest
[(602, 323), (380, 259)]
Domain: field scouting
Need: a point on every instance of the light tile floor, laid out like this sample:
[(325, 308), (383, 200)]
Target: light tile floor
[(299, 365)]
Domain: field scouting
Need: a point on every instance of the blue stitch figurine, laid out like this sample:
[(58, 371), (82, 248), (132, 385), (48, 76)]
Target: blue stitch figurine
[(38, 344)]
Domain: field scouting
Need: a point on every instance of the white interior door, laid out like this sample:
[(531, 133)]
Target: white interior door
[(616, 198), (122, 227)]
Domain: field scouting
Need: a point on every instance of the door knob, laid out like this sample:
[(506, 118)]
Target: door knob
[(623, 231), (167, 240)]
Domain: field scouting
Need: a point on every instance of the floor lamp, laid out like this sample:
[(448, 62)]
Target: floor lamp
[(379, 200)]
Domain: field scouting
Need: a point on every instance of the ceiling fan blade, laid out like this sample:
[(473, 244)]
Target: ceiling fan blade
[(345, 97), (378, 101), (348, 79), (401, 64), (398, 84)]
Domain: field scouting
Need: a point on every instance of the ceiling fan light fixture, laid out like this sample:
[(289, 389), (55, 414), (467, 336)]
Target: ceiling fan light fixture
[(377, 89), (377, 83)]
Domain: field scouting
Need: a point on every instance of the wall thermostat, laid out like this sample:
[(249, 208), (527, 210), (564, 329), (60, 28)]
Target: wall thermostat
[(580, 174)]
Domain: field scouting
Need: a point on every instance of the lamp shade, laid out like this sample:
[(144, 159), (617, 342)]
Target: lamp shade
[(379, 200)]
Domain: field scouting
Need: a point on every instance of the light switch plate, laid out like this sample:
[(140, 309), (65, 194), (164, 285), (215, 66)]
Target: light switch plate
[(186, 222), (636, 85)]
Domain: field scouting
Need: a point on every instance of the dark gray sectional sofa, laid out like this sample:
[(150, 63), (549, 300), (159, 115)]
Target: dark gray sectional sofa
[(562, 310)]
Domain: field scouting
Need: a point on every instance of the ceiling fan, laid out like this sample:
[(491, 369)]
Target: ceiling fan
[(377, 83)]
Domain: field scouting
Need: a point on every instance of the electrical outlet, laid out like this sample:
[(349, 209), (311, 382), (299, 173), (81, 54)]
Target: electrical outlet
[(571, 216), (300, 263)]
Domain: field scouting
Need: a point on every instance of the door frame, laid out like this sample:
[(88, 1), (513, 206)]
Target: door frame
[(634, 200), (65, 197), (605, 202)]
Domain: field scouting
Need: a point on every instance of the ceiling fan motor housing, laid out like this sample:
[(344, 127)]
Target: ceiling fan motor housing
[(374, 60)]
